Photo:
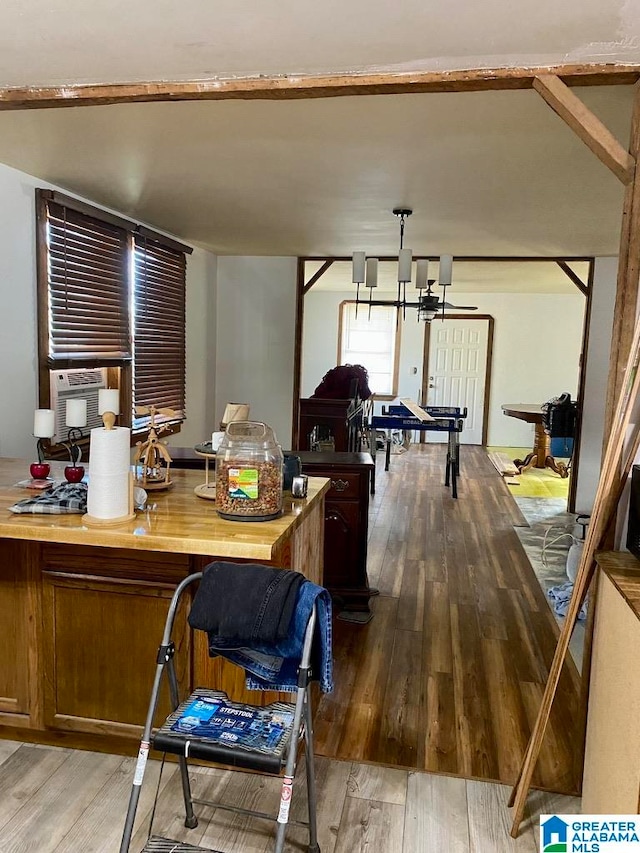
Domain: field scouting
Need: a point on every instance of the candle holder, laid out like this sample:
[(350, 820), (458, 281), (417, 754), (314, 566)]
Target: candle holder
[(43, 427), (74, 435), (39, 470), (76, 417), (74, 473)]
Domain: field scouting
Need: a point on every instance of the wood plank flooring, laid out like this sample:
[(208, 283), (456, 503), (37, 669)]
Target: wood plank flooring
[(448, 675), (64, 801)]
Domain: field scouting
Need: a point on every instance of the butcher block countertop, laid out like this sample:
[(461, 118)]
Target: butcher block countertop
[(623, 569), (175, 521)]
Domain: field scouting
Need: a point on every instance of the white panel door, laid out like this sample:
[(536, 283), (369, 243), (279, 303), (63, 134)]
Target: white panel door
[(457, 372)]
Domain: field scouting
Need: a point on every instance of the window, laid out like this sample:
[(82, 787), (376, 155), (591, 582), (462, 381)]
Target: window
[(373, 341), (111, 294), (158, 327), (87, 289)]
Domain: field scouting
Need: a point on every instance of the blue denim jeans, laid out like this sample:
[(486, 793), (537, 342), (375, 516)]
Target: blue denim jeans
[(275, 666)]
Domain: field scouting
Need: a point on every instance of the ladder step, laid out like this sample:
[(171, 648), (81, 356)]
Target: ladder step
[(165, 845)]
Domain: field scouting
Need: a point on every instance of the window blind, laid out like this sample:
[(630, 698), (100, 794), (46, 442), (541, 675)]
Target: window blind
[(88, 290), (159, 327)]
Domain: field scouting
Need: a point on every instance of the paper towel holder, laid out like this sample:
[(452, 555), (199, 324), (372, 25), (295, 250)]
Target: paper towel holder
[(109, 419), (92, 521)]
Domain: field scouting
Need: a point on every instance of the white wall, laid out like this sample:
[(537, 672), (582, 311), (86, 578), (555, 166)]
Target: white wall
[(536, 353), (18, 340), (201, 349), (18, 350), (596, 375), (255, 338), (536, 349)]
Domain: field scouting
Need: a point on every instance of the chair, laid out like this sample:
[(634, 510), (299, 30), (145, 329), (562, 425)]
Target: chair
[(184, 744)]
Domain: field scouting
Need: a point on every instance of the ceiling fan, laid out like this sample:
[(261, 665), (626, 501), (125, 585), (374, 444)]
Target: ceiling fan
[(429, 304)]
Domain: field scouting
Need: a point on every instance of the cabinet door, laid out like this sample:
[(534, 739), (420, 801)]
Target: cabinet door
[(20, 621), (101, 638), (341, 544)]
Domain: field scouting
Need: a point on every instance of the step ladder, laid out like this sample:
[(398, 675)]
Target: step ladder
[(278, 754), (165, 845)]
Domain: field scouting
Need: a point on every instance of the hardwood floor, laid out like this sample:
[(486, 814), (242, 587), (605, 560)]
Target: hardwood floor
[(64, 801), (448, 675)]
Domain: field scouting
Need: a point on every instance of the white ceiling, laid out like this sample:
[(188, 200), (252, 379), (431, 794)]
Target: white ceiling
[(486, 173), (52, 42)]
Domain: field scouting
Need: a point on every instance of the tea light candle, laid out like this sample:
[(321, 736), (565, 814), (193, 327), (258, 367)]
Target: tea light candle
[(44, 423), (109, 401), (76, 413)]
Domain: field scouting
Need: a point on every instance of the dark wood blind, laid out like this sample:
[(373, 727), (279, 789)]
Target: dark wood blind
[(88, 290), (159, 327)]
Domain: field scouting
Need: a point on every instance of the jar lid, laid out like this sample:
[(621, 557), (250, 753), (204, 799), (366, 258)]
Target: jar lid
[(249, 433)]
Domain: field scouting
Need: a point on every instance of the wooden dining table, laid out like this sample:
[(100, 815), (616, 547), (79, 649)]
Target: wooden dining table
[(540, 456)]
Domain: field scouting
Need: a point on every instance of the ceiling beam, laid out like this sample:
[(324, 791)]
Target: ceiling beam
[(466, 258), (324, 86), (579, 283), (317, 275), (586, 125)]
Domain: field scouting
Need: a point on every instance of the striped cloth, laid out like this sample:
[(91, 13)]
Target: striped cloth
[(65, 498)]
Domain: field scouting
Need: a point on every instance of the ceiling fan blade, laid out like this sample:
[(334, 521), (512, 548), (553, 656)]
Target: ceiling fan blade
[(461, 307)]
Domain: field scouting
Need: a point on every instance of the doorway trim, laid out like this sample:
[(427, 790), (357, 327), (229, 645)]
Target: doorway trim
[(488, 366)]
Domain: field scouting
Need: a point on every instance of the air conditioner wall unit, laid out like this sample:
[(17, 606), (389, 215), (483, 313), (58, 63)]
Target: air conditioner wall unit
[(72, 384)]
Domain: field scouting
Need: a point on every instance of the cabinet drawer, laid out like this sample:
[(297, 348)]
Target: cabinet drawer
[(342, 484), (115, 563)]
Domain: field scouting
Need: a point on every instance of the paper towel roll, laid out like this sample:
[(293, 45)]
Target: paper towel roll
[(109, 479), (109, 450), (108, 495)]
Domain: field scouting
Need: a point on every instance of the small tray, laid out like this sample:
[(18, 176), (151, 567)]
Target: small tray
[(206, 491), (205, 449)]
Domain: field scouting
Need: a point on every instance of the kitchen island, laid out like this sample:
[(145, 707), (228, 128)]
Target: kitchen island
[(82, 608)]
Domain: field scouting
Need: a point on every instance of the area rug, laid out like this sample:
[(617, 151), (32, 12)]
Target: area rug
[(546, 542)]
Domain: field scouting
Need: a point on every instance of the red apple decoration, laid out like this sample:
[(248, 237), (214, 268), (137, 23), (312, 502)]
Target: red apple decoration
[(39, 470), (74, 473)]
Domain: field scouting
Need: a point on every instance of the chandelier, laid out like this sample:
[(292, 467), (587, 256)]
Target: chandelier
[(365, 271)]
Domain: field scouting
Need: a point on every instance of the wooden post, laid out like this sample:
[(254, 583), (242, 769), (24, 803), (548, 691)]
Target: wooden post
[(628, 268)]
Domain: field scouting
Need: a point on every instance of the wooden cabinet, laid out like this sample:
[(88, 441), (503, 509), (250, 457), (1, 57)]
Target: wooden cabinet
[(342, 419), (611, 783), (83, 609), (346, 523), (103, 615), (20, 618)]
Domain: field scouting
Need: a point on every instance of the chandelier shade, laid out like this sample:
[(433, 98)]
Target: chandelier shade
[(365, 271)]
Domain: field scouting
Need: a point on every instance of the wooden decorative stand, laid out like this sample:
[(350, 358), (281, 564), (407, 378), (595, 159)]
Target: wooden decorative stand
[(206, 490)]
